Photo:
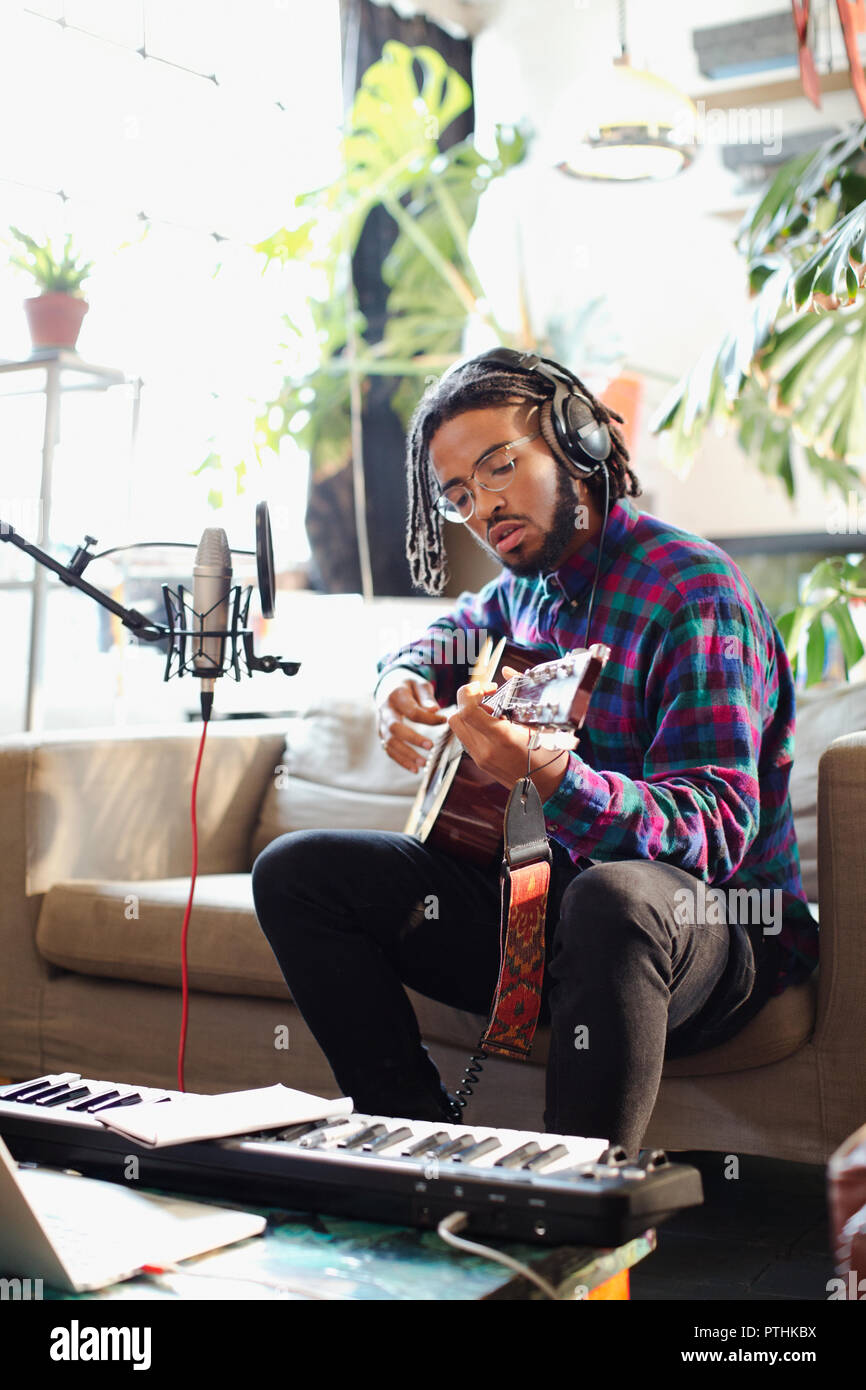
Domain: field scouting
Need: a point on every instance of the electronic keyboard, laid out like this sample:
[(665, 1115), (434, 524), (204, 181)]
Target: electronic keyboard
[(515, 1184)]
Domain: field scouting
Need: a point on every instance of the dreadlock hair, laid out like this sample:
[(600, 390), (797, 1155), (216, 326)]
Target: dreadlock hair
[(472, 386)]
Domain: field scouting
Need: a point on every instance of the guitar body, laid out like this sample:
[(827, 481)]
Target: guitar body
[(458, 807)]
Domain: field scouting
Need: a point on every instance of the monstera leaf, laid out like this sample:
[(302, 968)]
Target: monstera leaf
[(394, 132)]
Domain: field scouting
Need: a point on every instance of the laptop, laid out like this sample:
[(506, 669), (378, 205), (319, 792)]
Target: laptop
[(79, 1234)]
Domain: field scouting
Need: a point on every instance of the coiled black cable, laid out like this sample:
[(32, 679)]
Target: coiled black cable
[(471, 1077)]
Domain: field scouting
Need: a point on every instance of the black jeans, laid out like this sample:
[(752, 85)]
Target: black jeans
[(352, 916)]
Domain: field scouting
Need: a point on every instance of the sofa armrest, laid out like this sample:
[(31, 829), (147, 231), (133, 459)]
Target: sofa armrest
[(22, 970), (115, 803), (108, 804), (841, 1023)]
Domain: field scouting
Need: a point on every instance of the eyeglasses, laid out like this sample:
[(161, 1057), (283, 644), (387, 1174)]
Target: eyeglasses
[(493, 473)]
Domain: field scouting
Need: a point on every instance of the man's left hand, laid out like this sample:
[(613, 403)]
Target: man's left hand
[(498, 746)]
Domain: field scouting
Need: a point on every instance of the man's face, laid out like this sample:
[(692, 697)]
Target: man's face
[(530, 526)]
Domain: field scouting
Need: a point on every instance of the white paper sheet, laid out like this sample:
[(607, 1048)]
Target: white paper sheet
[(184, 1119)]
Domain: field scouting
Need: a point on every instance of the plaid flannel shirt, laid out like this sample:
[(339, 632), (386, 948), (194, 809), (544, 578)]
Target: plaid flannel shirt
[(686, 753)]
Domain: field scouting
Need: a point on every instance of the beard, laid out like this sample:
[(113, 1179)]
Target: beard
[(556, 541)]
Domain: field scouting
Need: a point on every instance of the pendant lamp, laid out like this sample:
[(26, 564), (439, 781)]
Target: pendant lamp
[(640, 126)]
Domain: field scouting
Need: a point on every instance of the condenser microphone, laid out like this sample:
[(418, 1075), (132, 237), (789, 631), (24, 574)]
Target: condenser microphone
[(212, 582)]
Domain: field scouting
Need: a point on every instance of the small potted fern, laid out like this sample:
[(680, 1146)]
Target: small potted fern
[(55, 315)]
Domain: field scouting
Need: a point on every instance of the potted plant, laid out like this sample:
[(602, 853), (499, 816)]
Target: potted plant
[(55, 315)]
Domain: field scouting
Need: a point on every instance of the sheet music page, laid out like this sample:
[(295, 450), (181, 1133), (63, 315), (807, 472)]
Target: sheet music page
[(185, 1118)]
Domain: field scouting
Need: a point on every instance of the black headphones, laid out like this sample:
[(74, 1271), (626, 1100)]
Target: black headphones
[(583, 439)]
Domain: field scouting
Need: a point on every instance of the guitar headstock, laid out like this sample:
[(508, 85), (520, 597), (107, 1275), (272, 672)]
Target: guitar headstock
[(554, 696)]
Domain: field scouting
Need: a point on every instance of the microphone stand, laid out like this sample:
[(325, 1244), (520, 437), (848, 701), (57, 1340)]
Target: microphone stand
[(175, 631)]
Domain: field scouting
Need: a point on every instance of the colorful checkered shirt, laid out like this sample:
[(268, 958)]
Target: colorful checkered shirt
[(686, 753)]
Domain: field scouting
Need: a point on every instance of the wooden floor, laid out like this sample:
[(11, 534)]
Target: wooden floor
[(760, 1236)]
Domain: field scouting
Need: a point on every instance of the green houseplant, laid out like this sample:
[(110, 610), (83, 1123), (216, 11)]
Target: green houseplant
[(56, 314), (795, 367)]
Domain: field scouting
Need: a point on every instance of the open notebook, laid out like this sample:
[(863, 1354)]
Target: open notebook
[(79, 1233)]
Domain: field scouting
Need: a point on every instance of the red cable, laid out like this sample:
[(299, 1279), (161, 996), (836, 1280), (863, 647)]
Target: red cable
[(185, 929)]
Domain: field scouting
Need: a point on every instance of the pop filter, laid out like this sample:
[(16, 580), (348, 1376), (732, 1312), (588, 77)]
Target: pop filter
[(265, 559)]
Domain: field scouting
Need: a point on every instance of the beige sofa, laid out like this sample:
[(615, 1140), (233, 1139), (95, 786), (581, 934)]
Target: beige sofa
[(94, 852)]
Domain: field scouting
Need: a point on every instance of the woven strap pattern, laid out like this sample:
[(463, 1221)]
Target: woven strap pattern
[(516, 1003)]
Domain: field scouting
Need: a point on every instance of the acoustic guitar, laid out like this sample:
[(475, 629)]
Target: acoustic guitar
[(460, 808)]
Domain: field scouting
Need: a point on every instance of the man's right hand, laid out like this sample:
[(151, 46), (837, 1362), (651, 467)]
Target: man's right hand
[(406, 697)]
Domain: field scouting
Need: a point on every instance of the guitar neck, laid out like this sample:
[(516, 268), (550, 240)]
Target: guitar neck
[(555, 693)]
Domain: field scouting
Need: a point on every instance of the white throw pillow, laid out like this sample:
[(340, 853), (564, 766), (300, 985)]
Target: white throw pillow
[(334, 773)]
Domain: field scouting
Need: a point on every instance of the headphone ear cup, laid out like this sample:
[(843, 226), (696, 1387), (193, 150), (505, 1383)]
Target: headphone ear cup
[(548, 434), (592, 447), (578, 462)]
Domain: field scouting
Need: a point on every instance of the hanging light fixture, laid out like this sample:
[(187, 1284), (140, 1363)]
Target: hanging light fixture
[(639, 127)]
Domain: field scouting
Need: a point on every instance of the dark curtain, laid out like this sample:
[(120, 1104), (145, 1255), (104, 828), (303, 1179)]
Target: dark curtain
[(366, 27)]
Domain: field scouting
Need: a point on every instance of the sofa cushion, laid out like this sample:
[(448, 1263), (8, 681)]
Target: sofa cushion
[(84, 927), (89, 927), (822, 715), (782, 1027), (132, 784), (335, 773)]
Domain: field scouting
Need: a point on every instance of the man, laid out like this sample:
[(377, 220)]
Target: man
[(680, 781)]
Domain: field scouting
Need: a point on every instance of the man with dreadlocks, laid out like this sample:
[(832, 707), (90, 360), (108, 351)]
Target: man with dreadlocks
[(680, 780)]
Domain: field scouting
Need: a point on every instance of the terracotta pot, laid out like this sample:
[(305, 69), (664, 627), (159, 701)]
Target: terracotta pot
[(55, 319)]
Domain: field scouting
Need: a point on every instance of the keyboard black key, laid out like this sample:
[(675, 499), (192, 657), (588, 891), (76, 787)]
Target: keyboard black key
[(425, 1145), (289, 1133), (93, 1102), (134, 1099), (56, 1090), (453, 1146), (355, 1141), (519, 1156), (322, 1135), (545, 1157), (65, 1096), (387, 1140), (28, 1089), (482, 1147)]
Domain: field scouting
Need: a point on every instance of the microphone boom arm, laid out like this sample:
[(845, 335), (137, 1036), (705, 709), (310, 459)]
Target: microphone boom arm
[(148, 629), (143, 627)]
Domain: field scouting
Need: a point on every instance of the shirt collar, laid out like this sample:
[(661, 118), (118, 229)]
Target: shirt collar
[(574, 577)]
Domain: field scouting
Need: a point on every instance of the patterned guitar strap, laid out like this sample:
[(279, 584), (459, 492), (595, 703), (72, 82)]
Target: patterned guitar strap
[(524, 881)]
